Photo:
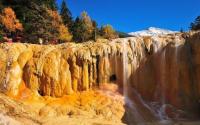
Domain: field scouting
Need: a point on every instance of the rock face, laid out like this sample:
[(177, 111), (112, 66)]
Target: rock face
[(163, 69), (63, 69), (171, 76)]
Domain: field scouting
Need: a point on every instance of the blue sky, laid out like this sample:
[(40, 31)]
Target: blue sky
[(134, 15)]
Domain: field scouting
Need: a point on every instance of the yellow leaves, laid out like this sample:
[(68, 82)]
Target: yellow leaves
[(64, 34), (87, 21), (8, 19), (108, 32), (56, 18)]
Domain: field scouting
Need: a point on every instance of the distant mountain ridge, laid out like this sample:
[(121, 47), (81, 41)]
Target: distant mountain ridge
[(152, 31)]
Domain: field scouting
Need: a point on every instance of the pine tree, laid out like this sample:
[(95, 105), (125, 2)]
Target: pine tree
[(59, 30), (37, 21), (1, 6), (83, 28), (77, 30), (196, 24), (66, 15), (50, 4), (1, 25), (87, 26), (38, 24), (96, 30)]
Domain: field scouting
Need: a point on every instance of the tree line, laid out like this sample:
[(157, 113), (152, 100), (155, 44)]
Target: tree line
[(40, 21)]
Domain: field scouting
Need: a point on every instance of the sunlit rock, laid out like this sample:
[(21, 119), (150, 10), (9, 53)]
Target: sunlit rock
[(151, 71)]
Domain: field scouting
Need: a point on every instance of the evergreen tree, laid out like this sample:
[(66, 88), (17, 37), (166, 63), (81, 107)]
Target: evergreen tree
[(50, 4), (1, 6), (59, 30), (1, 25), (66, 15), (37, 21), (87, 26), (20, 6), (196, 24), (77, 30), (53, 5), (38, 24), (96, 30), (83, 28)]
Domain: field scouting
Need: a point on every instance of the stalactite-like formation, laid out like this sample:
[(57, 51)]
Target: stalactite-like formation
[(63, 69), (152, 71)]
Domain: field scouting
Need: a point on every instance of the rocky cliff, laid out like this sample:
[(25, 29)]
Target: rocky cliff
[(164, 69), (171, 76), (63, 69)]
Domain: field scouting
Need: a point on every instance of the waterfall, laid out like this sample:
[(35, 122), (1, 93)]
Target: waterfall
[(163, 61), (161, 113), (140, 111), (125, 70), (176, 62), (138, 119)]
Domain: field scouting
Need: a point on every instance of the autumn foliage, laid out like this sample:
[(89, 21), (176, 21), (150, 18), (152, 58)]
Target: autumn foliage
[(108, 32), (44, 23), (64, 33), (9, 21), (57, 24)]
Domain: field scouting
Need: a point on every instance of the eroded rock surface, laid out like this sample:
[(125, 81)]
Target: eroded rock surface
[(68, 81), (63, 69)]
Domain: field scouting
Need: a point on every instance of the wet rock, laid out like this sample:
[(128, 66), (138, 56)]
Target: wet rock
[(162, 69), (57, 70)]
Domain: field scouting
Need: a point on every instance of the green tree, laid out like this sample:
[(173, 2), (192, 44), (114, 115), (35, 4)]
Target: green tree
[(50, 4), (108, 32), (60, 30), (1, 25), (37, 21), (38, 24), (95, 31), (83, 28), (196, 24), (87, 26), (1, 6), (77, 30), (66, 15)]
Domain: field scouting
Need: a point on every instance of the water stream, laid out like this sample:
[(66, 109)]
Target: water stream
[(140, 112), (130, 104)]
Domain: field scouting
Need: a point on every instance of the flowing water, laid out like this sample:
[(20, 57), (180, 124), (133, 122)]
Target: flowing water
[(138, 111), (130, 104), (161, 113)]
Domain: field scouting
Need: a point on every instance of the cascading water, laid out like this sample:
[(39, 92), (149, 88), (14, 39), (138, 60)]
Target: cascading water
[(159, 107), (162, 114), (129, 103), (125, 63), (142, 111)]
